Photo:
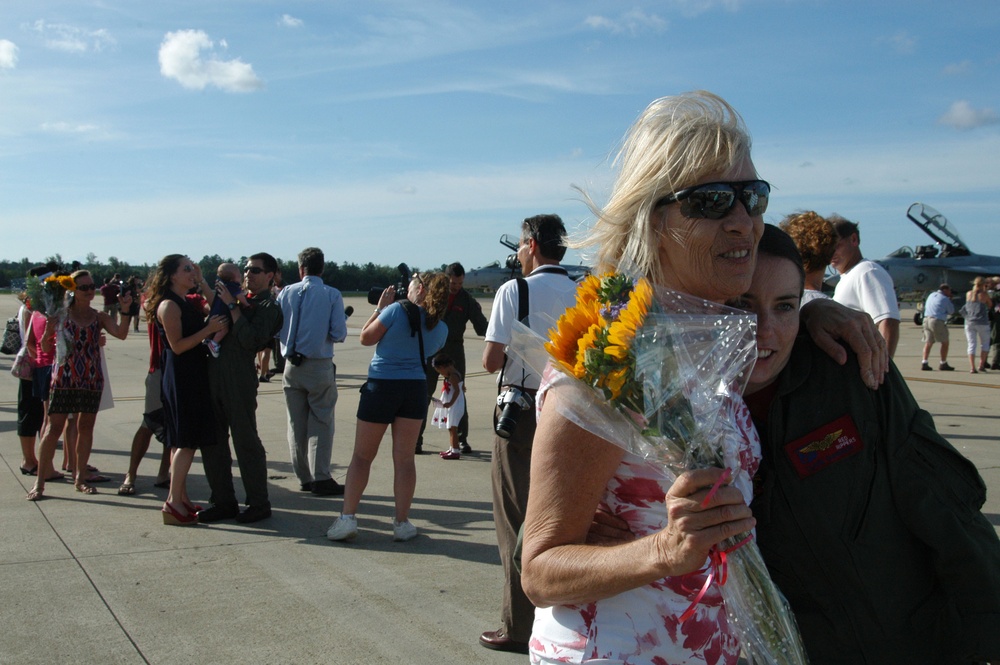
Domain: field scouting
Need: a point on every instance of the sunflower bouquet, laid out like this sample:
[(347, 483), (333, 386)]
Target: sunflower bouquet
[(659, 373), (47, 295)]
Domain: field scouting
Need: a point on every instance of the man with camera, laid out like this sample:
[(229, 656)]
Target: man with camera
[(314, 321), (546, 289)]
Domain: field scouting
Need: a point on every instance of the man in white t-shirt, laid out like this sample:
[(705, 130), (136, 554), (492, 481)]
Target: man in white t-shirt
[(864, 285), (549, 291)]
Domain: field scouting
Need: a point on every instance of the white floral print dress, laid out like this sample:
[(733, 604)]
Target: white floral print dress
[(643, 625)]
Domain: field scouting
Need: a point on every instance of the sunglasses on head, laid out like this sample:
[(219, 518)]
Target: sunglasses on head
[(253, 270), (714, 200), (86, 287)]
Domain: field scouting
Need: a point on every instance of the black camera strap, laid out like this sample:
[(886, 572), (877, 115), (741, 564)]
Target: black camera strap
[(413, 316), (522, 316), (293, 333), (522, 309)]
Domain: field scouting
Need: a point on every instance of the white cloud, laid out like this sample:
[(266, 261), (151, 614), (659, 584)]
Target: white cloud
[(181, 59), (696, 7), (68, 128), (957, 68), (72, 39), (902, 42), (289, 21), (632, 22), (961, 115), (8, 54)]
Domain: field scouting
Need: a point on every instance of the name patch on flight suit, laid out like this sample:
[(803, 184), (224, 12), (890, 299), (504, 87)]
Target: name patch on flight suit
[(825, 446)]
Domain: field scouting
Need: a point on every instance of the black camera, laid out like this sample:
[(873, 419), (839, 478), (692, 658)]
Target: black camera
[(512, 401), (375, 292), (296, 358)]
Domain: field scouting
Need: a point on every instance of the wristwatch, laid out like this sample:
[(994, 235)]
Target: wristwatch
[(232, 305)]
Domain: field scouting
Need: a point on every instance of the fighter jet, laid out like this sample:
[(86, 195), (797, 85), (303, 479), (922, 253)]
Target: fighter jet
[(488, 278), (920, 270)]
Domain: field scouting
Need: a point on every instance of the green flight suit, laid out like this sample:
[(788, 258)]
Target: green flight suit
[(233, 386), (870, 522)]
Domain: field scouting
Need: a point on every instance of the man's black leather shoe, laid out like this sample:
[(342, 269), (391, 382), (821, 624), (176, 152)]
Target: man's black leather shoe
[(254, 514), (306, 487), (328, 487), (217, 513)]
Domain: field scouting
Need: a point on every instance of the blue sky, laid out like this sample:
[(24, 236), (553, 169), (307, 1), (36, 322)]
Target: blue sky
[(391, 131)]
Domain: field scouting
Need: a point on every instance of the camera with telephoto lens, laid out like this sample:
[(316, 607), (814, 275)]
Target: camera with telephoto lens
[(512, 401), (375, 292)]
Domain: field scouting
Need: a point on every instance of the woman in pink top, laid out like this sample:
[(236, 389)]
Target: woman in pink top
[(34, 393)]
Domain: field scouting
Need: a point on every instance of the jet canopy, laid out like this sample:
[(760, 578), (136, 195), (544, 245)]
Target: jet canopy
[(936, 225)]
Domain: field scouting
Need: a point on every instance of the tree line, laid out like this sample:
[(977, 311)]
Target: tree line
[(344, 276)]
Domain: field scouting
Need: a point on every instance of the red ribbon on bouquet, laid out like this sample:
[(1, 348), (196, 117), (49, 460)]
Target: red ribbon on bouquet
[(717, 567)]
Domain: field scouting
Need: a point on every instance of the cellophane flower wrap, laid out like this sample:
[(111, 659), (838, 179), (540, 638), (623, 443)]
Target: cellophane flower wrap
[(654, 370), (48, 296)]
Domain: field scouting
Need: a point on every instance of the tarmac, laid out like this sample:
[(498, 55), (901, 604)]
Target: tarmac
[(99, 578)]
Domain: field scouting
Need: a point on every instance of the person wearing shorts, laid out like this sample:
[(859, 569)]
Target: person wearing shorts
[(153, 422), (405, 333), (937, 309), (384, 400)]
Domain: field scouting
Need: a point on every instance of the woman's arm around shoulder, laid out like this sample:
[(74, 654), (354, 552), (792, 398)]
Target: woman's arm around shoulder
[(828, 321)]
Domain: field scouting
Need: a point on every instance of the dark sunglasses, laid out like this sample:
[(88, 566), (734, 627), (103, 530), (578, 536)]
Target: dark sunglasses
[(714, 200), (253, 270), (86, 287)]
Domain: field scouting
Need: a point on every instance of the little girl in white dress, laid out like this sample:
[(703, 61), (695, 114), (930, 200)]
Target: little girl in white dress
[(451, 405)]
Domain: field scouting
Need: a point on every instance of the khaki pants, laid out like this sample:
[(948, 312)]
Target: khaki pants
[(511, 467)]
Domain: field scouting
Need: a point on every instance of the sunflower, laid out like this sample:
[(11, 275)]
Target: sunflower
[(586, 293), (574, 324), (616, 380), (621, 333)]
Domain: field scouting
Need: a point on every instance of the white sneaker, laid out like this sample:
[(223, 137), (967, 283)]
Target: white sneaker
[(403, 530), (344, 528)]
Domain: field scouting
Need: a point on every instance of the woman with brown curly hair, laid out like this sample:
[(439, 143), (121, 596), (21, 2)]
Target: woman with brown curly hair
[(816, 240), (405, 334), (187, 405)]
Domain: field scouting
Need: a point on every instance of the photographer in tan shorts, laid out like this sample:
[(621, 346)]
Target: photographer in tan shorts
[(937, 309)]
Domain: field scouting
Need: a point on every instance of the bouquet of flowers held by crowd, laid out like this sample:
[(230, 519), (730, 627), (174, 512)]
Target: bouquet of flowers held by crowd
[(657, 372), (47, 295)]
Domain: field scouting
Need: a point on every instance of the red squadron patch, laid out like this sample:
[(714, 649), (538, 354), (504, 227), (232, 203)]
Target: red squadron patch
[(827, 445)]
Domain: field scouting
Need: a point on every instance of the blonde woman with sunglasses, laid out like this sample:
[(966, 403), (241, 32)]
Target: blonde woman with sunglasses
[(977, 323), (78, 381), (686, 212)]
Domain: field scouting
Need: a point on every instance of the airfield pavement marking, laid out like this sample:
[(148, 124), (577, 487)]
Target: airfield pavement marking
[(992, 386)]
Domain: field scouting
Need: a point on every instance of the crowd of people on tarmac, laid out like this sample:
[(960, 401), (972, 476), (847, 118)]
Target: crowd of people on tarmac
[(868, 520)]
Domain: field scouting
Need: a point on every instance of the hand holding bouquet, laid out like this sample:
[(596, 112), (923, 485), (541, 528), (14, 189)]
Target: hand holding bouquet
[(48, 295)]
